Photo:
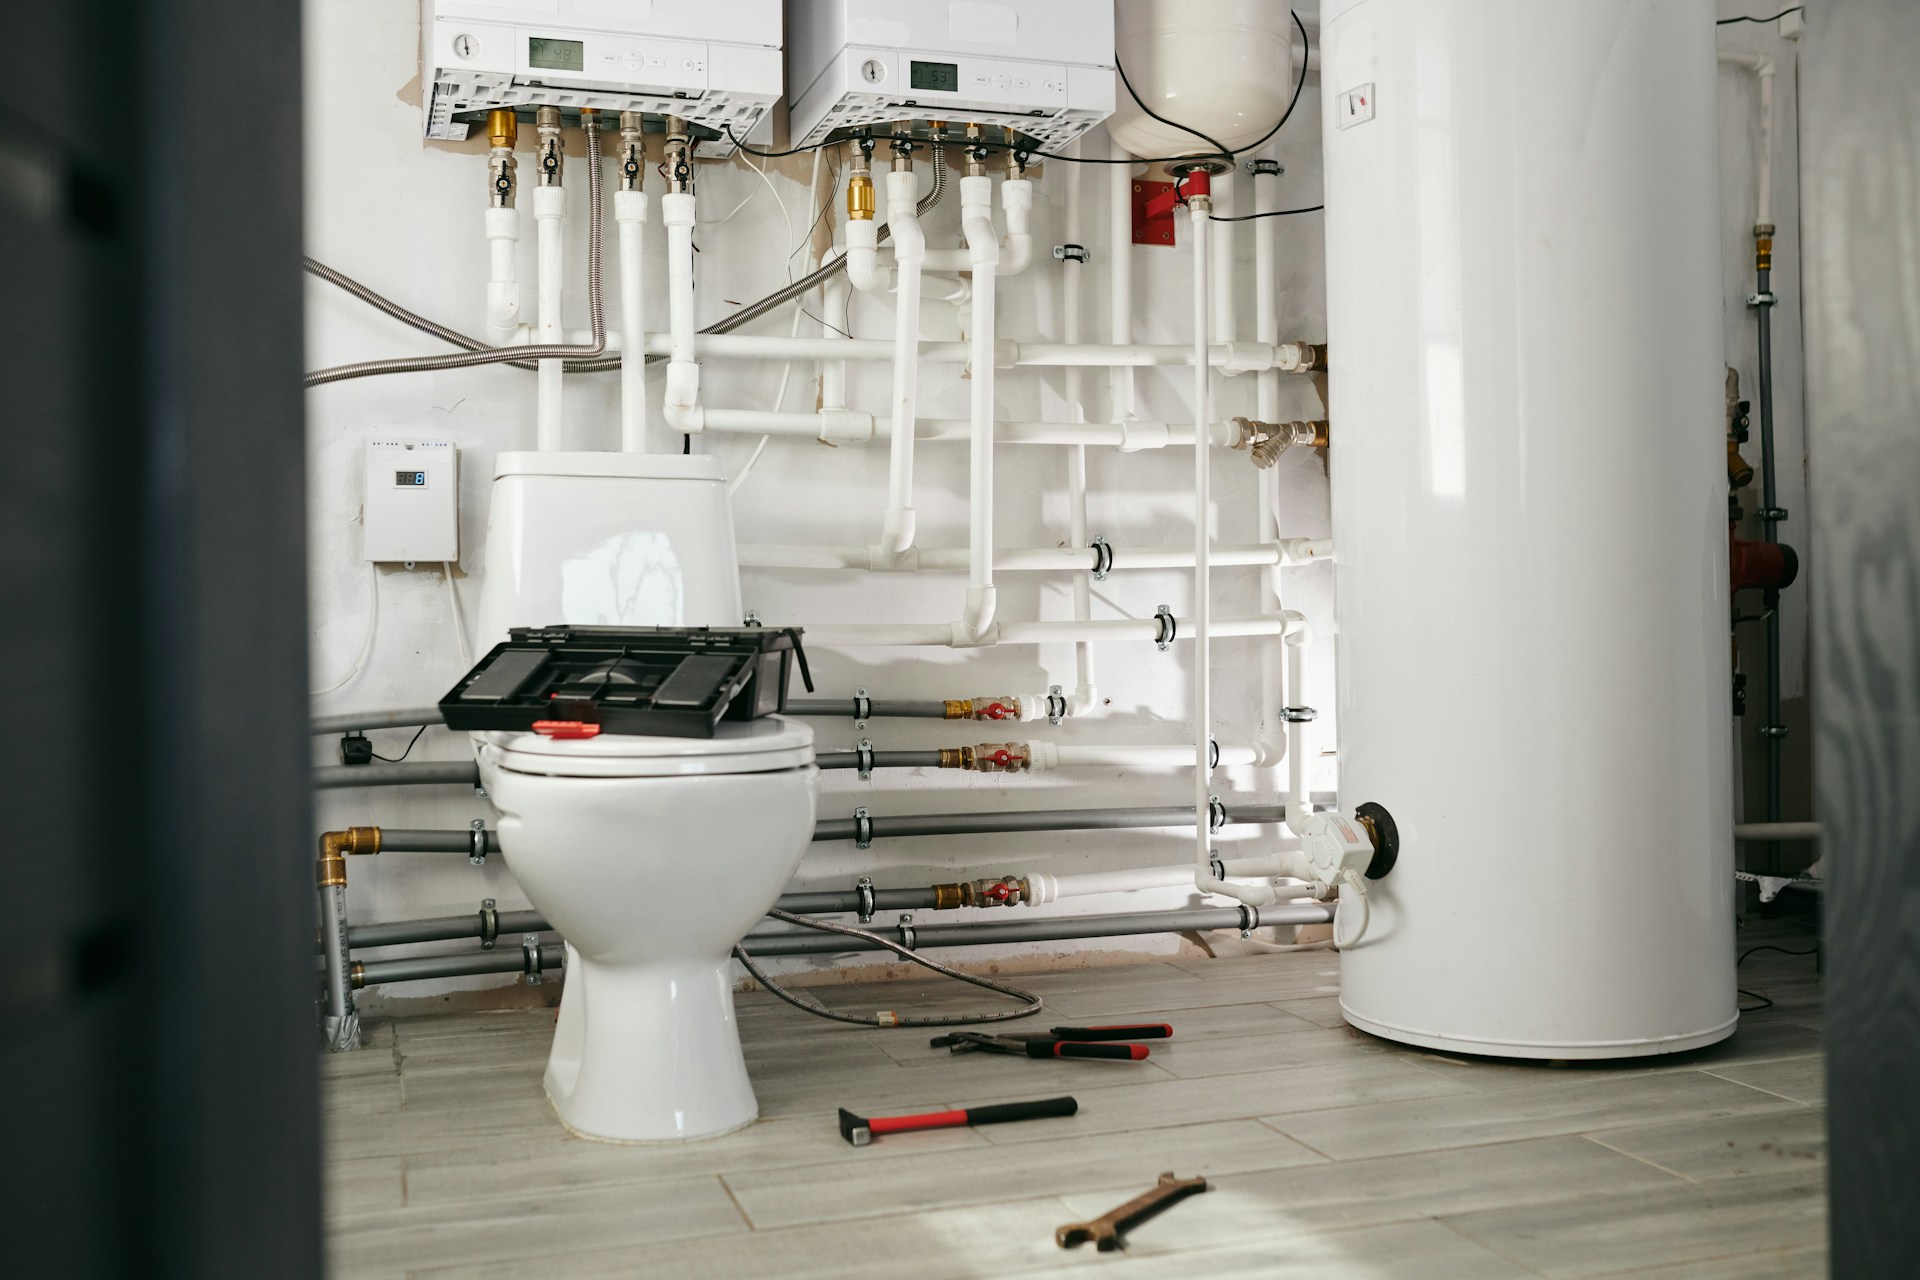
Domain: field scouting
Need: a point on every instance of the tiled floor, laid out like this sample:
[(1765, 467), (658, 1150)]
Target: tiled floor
[(1332, 1154)]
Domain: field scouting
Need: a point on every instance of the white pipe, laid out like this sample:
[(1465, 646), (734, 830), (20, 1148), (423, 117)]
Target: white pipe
[(549, 212), (1046, 756), (864, 269), (1266, 328), (630, 212), (1762, 67), (976, 223), (682, 405), (503, 286), (1128, 437), (1299, 803), (1005, 559), (1086, 695), (910, 247), (1777, 831), (1045, 888), (951, 635), (1225, 328), (1120, 280), (835, 299)]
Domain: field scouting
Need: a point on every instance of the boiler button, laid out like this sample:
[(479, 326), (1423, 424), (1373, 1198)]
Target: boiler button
[(1021, 84), (1003, 82)]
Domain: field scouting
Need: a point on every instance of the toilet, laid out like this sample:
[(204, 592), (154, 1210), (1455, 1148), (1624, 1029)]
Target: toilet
[(652, 856)]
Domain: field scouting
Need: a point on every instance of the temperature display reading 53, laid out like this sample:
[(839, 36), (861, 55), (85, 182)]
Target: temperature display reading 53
[(944, 76), (410, 479)]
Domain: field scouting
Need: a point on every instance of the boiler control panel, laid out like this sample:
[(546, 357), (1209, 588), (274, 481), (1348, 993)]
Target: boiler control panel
[(412, 510)]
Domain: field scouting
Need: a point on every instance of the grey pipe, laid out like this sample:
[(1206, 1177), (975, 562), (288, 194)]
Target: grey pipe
[(1005, 823), (1773, 730), (400, 719), (878, 759), (341, 1027), (795, 942), (409, 840), (883, 708), (443, 929), (413, 772)]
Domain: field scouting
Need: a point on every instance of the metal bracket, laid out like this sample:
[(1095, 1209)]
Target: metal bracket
[(1761, 299), (1298, 715), (1070, 252), (906, 930), (863, 759), (1265, 168), (1056, 705), (1775, 514), (1249, 919), (1216, 810), (1213, 753), (751, 620), (1168, 627), (489, 924), (1215, 866), (1773, 731), (477, 853), (862, 707), (479, 792), (530, 948), (1102, 559), (862, 828), (865, 890)]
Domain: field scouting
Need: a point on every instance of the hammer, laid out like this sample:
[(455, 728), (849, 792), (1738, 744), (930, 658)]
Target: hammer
[(859, 1130)]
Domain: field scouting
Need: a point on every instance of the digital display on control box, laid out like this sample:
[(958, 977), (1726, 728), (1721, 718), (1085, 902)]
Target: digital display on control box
[(410, 479), (556, 55), (944, 76)]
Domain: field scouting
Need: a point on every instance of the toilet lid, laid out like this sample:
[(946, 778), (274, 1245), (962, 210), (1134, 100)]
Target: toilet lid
[(737, 746)]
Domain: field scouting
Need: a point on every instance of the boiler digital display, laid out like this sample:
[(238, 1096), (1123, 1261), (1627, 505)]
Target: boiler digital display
[(410, 479), (944, 76), (556, 55)]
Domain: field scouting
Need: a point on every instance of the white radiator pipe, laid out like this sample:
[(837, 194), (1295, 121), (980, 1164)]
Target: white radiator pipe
[(503, 285), (1762, 67), (910, 247), (1225, 326), (1120, 405), (549, 212), (1128, 437), (1266, 328), (983, 247), (835, 298), (630, 213), (1086, 695), (1045, 888), (1299, 802), (681, 409), (1016, 246), (753, 555), (859, 635), (864, 268)]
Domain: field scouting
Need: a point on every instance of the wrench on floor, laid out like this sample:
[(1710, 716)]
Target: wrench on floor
[(1108, 1231)]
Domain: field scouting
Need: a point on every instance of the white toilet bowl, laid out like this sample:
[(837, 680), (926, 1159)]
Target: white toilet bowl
[(652, 857)]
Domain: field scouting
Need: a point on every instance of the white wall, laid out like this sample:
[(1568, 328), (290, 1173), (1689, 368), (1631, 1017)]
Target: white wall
[(405, 218)]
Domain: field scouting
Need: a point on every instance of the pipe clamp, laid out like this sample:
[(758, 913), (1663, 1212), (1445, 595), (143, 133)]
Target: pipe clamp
[(1056, 705), (862, 828), (1216, 809), (1102, 559), (1168, 628), (489, 924), (1249, 919), (865, 890), (1070, 252), (862, 709), (530, 948), (906, 930), (1761, 299), (477, 834), (863, 760), (1298, 715), (1265, 168)]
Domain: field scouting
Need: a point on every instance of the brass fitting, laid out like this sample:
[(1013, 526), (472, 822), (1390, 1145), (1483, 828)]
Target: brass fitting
[(503, 128), (948, 896), (1763, 246), (860, 193), (331, 869), (976, 153), (1266, 441), (1739, 470), (956, 757), (997, 757), (552, 152), (999, 891), (356, 975), (986, 707)]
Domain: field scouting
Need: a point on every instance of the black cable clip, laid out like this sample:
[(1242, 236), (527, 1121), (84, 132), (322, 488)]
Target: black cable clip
[(1216, 809), (1102, 558), (1168, 628), (1298, 715), (1070, 252), (489, 924), (863, 759), (865, 890), (1265, 168), (530, 953), (862, 828)]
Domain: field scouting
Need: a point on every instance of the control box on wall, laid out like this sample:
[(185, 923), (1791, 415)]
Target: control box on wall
[(412, 511)]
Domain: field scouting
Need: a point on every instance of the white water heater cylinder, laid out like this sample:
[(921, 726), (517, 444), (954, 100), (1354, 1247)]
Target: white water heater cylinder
[(1529, 519), (1223, 67)]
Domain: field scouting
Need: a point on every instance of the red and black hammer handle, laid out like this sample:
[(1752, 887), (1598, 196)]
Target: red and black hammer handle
[(1137, 1031), (1045, 1048), (998, 1113)]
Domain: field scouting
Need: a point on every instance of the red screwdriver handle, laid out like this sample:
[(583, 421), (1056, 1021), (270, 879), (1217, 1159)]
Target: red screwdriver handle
[(1118, 1052), (1138, 1031), (907, 1124)]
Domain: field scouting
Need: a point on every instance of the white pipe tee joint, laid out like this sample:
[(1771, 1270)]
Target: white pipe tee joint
[(1016, 197), (864, 271), (503, 289), (681, 410)]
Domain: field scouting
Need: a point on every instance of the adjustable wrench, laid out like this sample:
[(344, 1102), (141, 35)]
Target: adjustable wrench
[(1108, 1231)]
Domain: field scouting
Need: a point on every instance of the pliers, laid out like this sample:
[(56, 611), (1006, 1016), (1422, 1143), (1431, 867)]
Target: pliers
[(1060, 1042)]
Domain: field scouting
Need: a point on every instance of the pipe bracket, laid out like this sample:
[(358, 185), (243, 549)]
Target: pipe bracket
[(1265, 168), (477, 850), (1249, 919), (1298, 715), (865, 890), (1056, 705), (1216, 808), (862, 828), (1762, 299), (863, 760), (1070, 252), (862, 708), (489, 924), (530, 948), (907, 939), (1102, 559), (1168, 628)]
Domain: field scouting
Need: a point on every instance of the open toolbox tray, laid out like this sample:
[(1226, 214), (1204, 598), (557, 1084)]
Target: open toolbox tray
[(677, 682)]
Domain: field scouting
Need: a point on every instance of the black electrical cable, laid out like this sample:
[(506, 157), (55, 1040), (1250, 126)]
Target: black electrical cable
[(1219, 147), (1272, 213), (1727, 22), (1754, 995), (404, 754), (1785, 951)]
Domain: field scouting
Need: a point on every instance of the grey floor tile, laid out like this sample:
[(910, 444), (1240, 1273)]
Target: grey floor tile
[(535, 1226), (1772, 1142), (1425, 1250), (1321, 1011), (945, 1179), (1690, 1222), (1809, 1263), (1288, 1202), (355, 1187), (1801, 1079), (1301, 1044), (1574, 1106)]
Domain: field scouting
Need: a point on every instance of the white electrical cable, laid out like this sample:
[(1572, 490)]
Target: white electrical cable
[(793, 331), (366, 643), (1352, 881), (459, 623)]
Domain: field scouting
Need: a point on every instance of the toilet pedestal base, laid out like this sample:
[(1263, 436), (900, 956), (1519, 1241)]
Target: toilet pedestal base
[(649, 1052)]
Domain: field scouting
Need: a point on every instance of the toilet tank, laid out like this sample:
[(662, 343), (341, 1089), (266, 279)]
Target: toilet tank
[(613, 539)]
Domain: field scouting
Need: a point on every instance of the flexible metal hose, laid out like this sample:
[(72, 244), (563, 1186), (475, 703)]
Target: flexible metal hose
[(478, 354), (1033, 1004), (521, 355)]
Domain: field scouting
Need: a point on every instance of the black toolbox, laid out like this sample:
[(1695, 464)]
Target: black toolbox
[(676, 682)]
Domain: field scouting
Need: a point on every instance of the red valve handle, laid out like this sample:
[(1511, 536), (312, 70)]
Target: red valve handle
[(1001, 757), (996, 711)]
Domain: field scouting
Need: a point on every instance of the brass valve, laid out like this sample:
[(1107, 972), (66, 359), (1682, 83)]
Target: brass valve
[(988, 757), (503, 128), (1266, 441), (1000, 707)]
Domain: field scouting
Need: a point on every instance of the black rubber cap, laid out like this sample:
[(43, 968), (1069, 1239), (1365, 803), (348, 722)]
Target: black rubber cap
[(1386, 850), (1790, 561)]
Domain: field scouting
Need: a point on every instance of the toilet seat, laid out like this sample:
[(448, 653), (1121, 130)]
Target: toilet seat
[(744, 746)]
